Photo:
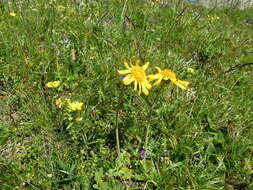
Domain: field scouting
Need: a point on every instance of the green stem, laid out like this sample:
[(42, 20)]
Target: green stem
[(117, 139), (156, 98), (117, 125), (123, 12), (147, 101), (149, 118), (146, 141), (117, 134)]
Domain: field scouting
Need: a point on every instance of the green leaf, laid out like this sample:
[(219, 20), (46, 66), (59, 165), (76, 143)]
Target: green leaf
[(125, 173)]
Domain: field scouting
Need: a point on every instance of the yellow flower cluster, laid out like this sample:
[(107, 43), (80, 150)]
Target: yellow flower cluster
[(53, 84), (75, 106), (142, 82), (59, 102), (71, 106)]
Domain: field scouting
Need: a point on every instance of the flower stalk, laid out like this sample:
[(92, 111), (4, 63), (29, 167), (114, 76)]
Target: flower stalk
[(117, 132), (149, 118)]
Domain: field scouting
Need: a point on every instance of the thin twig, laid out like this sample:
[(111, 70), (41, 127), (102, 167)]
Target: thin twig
[(129, 20), (181, 13), (238, 66)]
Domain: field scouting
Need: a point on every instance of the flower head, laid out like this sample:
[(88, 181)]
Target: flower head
[(142, 154), (108, 20), (75, 106), (59, 102), (53, 84), (190, 70), (136, 73), (12, 14), (125, 26), (152, 20), (168, 74)]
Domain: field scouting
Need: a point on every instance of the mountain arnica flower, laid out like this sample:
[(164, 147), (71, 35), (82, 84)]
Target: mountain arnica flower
[(168, 74), (136, 73)]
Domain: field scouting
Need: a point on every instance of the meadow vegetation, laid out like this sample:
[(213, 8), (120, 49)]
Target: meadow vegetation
[(69, 121)]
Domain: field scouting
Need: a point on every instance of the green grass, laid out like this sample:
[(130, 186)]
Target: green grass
[(196, 141)]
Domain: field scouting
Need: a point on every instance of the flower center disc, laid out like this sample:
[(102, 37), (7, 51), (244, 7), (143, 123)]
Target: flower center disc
[(169, 73), (138, 73)]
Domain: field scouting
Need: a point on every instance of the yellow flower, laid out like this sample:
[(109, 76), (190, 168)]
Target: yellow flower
[(190, 70), (168, 74), (137, 75), (53, 84), (75, 106), (59, 102), (12, 14)]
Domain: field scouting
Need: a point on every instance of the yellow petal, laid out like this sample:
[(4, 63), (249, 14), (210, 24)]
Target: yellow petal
[(147, 84), (145, 66), (124, 72), (128, 80), (182, 84), (158, 81), (145, 90), (158, 68), (139, 86), (154, 77), (126, 65), (135, 85)]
